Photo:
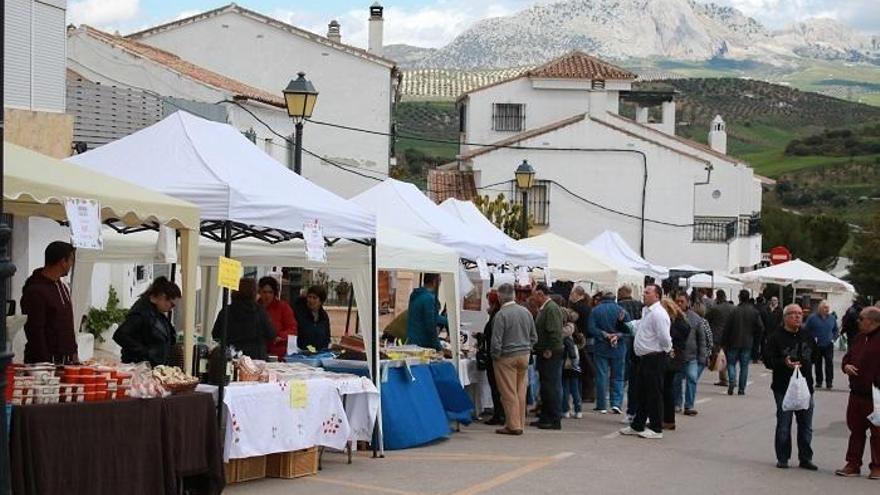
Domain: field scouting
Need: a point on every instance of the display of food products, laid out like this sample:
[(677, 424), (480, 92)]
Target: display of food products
[(49, 384)]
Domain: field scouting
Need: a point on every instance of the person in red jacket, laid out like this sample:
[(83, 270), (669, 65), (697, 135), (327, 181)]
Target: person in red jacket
[(862, 365), (280, 315), (45, 299)]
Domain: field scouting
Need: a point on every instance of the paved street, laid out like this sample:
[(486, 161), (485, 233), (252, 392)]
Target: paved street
[(727, 448)]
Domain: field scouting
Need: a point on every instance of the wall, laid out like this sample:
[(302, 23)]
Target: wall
[(45, 132), (614, 180), (353, 91)]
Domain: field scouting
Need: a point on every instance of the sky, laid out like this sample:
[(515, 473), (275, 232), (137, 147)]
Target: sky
[(426, 23)]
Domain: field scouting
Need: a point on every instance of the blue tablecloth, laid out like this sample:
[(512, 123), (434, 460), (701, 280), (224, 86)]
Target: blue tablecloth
[(418, 402)]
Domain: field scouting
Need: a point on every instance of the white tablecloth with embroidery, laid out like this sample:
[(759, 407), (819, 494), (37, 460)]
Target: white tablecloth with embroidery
[(266, 418)]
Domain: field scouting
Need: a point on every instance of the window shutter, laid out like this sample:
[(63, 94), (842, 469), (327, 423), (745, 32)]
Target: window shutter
[(49, 58), (17, 63)]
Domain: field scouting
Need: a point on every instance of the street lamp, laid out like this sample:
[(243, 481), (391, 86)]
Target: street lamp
[(525, 179), (300, 97)]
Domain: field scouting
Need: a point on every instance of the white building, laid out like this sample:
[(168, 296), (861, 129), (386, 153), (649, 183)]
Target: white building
[(356, 87), (701, 206)]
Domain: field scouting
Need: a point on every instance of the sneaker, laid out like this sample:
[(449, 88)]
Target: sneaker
[(848, 471), (601, 411), (741, 392), (628, 419), (650, 434), (809, 466), (616, 410), (782, 465), (579, 415), (629, 431), (690, 412), (566, 415), (828, 387)]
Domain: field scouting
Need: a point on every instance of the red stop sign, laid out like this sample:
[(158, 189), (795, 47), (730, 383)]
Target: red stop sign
[(779, 254)]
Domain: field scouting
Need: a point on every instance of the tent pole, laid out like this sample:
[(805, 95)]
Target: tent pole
[(350, 304), (374, 335), (227, 252)]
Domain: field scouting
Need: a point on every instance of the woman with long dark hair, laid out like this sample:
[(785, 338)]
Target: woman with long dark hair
[(249, 329), (147, 333)]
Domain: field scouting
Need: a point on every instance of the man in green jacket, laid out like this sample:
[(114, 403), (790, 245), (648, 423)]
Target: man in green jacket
[(549, 359), (424, 314)]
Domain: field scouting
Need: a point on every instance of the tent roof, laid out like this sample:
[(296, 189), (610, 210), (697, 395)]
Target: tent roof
[(402, 206), (569, 260), (610, 244), (36, 184), (396, 250), (798, 273), (215, 167), (468, 213)]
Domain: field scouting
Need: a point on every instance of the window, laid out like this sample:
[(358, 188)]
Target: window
[(508, 117), (749, 225), (538, 201), (714, 229)]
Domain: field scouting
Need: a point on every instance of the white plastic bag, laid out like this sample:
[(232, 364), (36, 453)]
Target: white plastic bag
[(797, 397), (874, 417)]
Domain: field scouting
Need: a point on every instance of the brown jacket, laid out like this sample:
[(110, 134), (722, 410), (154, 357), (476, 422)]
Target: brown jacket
[(49, 326)]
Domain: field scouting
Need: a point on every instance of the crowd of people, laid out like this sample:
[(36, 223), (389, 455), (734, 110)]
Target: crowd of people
[(607, 348)]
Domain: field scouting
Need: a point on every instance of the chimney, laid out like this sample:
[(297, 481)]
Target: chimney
[(333, 33), (668, 123), (376, 21), (718, 135), (598, 104)]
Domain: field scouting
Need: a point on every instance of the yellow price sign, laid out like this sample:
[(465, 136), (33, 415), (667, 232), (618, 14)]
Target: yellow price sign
[(299, 394), (229, 273)]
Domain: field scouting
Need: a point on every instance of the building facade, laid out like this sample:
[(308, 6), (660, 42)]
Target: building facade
[(356, 87), (674, 200)]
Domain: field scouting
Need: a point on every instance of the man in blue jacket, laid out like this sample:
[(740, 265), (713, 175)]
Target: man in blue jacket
[(822, 326), (424, 314), (609, 351)]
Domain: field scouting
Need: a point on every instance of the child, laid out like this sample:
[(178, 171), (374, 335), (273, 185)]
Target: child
[(571, 372)]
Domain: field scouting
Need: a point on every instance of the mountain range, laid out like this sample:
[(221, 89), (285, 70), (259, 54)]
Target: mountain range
[(628, 30)]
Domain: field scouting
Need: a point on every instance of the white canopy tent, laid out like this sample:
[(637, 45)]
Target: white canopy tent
[(468, 213), (241, 192), (402, 206), (611, 245), (704, 280), (799, 274), (569, 260)]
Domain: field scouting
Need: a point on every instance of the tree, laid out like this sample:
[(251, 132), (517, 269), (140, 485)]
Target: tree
[(503, 214), (814, 239), (865, 270)]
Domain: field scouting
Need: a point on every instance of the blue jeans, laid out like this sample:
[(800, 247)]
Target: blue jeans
[(690, 374), (571, 388), (783, 431), (743, 356), (604, 365), (532, 391)]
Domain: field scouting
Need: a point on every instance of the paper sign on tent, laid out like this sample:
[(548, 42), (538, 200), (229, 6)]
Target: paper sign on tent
[(230, 272), (299, 394), (483, 268), (313, 235), (84, 218)]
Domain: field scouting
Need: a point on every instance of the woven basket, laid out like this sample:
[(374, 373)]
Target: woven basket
[(180, 388)]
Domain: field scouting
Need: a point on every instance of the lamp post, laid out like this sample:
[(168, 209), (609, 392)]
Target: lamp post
[(525, 179), (300, 97)]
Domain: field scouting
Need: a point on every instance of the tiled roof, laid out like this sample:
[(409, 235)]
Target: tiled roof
[(188, 69), (579, 65), (572, 65), (445, 184), (516, 138), (360, 52)]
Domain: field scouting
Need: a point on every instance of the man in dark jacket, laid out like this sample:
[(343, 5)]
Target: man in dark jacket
[(786, 350), (862, 365), (717, 316), (580, 303), (424, 314), (249, 329), (773, 317), (312, 321), (549, 349), (850, 322), (743, 326), (45, 299)]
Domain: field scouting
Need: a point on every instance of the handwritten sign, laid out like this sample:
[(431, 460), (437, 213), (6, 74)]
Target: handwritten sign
[(299, 394), (483, 267), (229, 274), (313, 235), (84, 217), (522, 277)]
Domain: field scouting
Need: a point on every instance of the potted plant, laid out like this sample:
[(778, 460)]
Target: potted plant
[(99, 320)]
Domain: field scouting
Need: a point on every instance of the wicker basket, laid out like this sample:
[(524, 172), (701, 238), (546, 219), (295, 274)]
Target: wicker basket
[(250, 468), (294, 464), (180, 388), (245, 375)]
